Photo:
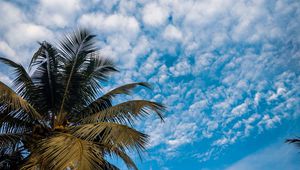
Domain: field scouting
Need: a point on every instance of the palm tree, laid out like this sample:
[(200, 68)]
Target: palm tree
[(55, 117)]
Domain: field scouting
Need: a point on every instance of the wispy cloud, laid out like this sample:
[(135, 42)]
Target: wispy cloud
[(274, 157)]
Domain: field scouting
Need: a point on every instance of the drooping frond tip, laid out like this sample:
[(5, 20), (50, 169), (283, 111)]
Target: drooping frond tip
[(295, 141)]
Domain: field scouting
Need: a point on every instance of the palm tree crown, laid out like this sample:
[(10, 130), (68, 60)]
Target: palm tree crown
[(55, 118)]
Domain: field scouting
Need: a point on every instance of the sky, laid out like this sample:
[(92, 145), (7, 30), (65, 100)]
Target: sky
[(228, 72)]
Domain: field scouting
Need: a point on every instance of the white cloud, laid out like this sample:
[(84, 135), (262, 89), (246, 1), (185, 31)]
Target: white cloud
[(127, 26), (221, 142), (5, 79), (151, 64), (19, 33), (10, 14), (181, 68), (172, 33), (121, 33), (240, 109), (184, 133), (25, 34), (6, 50), (269, 122), (154, 15), (142, 46), (57, 13)]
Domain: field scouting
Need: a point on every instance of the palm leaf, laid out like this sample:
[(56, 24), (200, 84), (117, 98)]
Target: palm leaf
[(105, 101), (64, 150), (47, 77), (10, 139), (111, 133), (295, 141), (126, 112), (97, 67), (39, 56), (14, 118), (125, 89), (111, 150), (33, 163), (14, 125), (10, 158), (22, 81), (74, 49), (15, 102), (108, 166), (86, 82)]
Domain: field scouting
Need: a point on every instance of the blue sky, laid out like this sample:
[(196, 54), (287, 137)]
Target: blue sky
[(228, 71)]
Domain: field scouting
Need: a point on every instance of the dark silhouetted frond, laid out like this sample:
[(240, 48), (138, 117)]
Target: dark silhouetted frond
[(10, 139), (295, 141), (115, 151), (22, 81)]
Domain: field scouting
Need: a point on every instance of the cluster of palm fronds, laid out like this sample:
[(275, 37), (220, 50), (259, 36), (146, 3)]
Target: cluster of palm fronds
[(55, 119)]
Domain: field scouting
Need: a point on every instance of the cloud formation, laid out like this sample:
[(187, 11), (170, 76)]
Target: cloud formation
[(225, 69)]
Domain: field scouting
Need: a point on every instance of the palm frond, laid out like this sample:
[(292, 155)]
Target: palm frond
[(125, 89), (295, 141), (82, 71), (40, 56), (97, 67), (22, 81), (10, 139), (74, 49), (111, 133), (64, 150), (14, 125), (108, 166), (13, 119), (105, 101), (47, 77), (126, 112), (86, 82), (16, 102), (10, 158), (115, 151)]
